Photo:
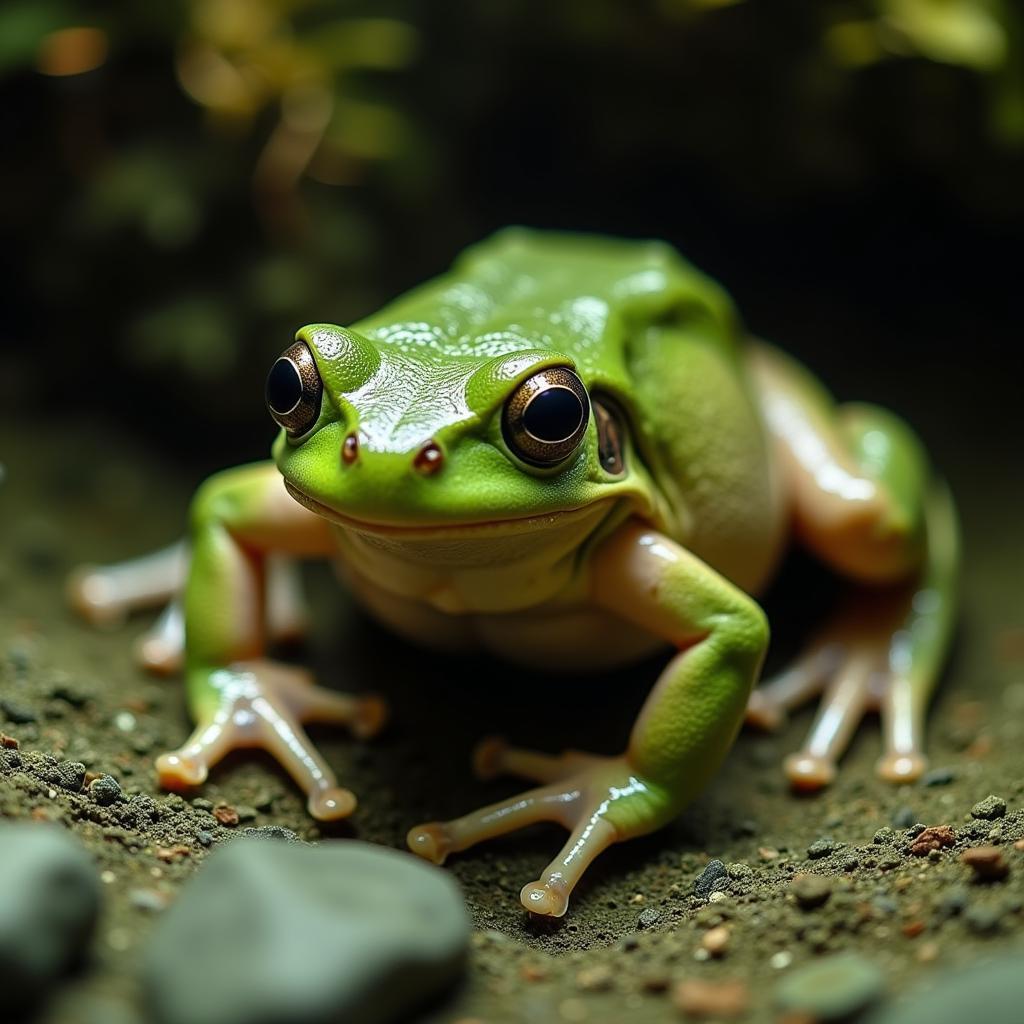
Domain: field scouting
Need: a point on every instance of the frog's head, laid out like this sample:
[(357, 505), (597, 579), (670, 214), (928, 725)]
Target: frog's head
[(392, 437)]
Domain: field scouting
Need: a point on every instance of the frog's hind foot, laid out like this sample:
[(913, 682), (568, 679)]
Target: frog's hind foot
[(862, 661), (106, 595), (264, 704)]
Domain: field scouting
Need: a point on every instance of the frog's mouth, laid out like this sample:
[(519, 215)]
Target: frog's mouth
[(427, 531)]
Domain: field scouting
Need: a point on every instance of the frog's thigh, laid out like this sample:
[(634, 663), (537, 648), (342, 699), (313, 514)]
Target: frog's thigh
[(856, 475)]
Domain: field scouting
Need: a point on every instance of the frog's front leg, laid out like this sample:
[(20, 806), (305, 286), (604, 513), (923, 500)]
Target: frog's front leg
[(237, 697), (678, 741)]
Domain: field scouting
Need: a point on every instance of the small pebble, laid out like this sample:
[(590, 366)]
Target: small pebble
[(953, 901), (648, 918), (938, 777), (987, 863), (711, 878), (903, 817), (148, 900), (716, 941), (226, 815), (831, 989), (106, 790), (711, 999), (990, 808), (811, 891), (883, 836), (983, 919), (934, 838), (822, 848), (17, 713), (599, 978)]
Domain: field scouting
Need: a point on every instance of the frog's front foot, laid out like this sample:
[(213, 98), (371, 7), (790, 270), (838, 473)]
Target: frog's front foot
[(264, 704), (864, 660), (600, 800)]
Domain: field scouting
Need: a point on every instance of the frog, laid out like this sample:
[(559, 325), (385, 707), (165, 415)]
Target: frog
[(566, 452)]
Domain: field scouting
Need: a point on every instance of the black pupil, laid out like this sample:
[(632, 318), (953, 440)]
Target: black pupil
[(554, 415), (284, 387)]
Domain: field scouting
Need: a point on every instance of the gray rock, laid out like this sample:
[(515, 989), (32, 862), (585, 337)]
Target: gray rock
[(648, 918), (990, 808), (831, 989), (106, 790), (49, 899), (714, 876), (992, 992), (272, 931), (822, 848)]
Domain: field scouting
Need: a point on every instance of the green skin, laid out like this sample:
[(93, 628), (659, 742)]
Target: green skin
[(667, 550)]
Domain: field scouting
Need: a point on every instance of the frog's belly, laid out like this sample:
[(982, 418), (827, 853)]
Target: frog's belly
[(562, 638)]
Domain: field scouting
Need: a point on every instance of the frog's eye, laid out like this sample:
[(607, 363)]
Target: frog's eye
[(294, 390), (546, 417)]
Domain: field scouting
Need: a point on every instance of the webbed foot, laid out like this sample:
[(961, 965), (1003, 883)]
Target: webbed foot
[(264, 704), (600, 800), (860, 662)]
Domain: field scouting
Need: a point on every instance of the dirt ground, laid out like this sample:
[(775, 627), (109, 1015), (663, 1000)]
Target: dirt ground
[(75, 492)]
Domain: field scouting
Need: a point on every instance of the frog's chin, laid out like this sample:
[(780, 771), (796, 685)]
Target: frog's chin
[(425, 531)]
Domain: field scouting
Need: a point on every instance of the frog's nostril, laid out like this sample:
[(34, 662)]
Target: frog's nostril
[(429, 459), (350, 449)]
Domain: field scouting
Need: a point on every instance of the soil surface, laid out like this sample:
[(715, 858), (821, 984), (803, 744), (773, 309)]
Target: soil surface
[(635, 929)]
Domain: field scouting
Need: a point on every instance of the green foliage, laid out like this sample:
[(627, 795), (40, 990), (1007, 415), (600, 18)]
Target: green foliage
[(196, 179)]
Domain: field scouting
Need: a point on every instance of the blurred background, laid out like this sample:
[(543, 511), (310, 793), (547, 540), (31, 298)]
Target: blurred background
[(185, 183)]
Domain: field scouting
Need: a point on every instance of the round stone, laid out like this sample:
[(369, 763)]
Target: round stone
[(831, 989)]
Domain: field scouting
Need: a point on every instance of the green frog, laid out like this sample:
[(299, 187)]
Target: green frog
[(565, 451)]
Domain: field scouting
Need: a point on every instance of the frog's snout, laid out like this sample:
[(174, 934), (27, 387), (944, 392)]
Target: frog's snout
[(427, 460)]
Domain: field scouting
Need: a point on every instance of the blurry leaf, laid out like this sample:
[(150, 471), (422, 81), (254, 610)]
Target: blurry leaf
[(23, 26), (193, 334), (367, 130), (280, 285), (853, 43), (965, 32), (381, 43), (147, 189)]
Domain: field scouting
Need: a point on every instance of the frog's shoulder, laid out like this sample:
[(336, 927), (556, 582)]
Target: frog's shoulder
[(522, 288)]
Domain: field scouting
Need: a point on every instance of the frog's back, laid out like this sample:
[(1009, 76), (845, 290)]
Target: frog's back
[(524, 289)]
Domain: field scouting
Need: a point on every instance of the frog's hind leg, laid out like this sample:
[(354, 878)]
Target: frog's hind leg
[(105, 595), (863, 501)]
